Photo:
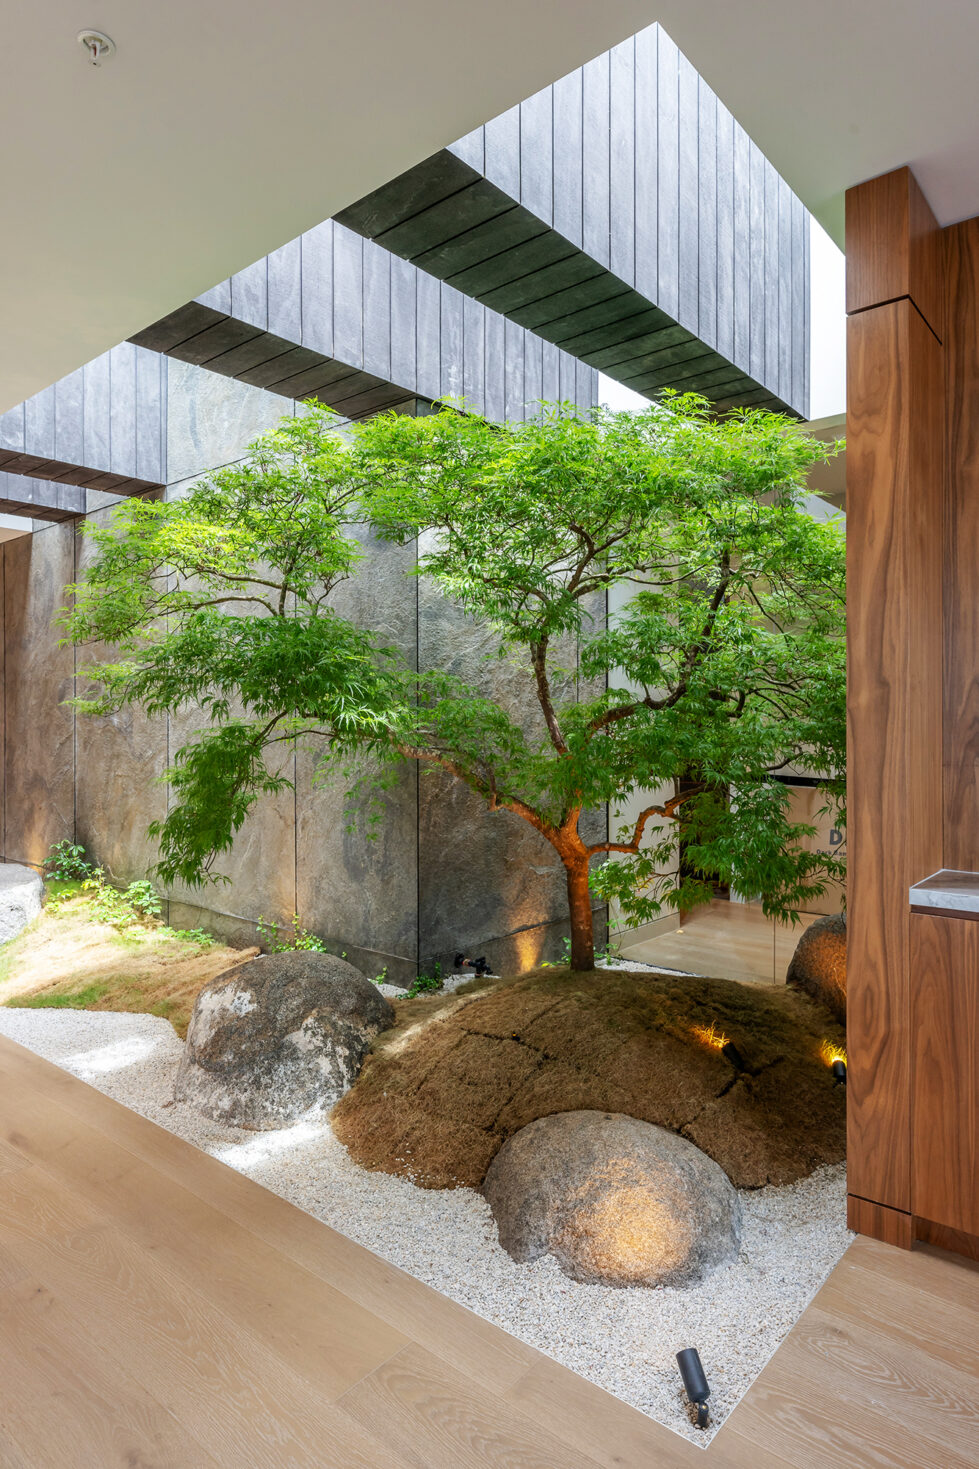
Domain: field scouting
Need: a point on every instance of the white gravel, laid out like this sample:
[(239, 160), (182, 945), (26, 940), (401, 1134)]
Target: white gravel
[(624, 1340)]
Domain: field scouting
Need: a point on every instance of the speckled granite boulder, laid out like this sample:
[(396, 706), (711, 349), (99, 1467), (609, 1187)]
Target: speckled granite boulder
[(616, 1201), (279, 1039), (21, 891), (818, 966)]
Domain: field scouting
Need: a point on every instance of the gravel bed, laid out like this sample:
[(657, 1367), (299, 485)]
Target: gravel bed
[(624, 1340)]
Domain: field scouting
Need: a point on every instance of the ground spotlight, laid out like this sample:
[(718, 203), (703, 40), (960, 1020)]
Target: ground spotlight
[(479, 966), (694, 1382), (838, 1069), (731, 1053)]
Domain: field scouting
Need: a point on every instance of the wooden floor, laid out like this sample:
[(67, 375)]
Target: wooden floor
[(159, 1309), (733, 939)]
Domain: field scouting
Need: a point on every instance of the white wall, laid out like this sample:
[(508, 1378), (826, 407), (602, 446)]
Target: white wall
[(613, 395), (827, 317), (827, 345)]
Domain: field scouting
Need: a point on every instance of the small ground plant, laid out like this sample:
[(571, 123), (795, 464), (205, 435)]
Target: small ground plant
[(98, 947), (426, 984), (275, 939), (66, 862), (132, 911)]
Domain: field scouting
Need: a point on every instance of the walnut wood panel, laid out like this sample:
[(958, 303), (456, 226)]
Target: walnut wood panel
[(895, 461), (961, 703), (954, 1240), (890, 1226), (945, 1023), (893, 247)]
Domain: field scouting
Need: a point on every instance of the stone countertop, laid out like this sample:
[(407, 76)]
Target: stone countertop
[(951, 891)]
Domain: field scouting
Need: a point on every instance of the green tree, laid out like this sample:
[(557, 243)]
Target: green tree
[(726, 660)]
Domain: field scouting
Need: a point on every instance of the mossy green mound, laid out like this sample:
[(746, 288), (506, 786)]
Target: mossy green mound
[(441, 1092)]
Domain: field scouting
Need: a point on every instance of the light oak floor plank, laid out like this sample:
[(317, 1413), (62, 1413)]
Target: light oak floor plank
[(224, 1383), (314, 1328), (444, 1420), (64, 1404), (441, 1325)]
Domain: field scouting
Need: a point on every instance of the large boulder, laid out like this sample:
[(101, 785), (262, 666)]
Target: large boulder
[(21, 891), (279, 1039), (614, 1200), (818, 966)]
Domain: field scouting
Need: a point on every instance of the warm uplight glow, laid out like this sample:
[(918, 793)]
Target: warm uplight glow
[(709, 1035), (830, 1052)]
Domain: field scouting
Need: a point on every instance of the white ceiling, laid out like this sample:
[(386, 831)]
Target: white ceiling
[(838, 91), (221, 129)]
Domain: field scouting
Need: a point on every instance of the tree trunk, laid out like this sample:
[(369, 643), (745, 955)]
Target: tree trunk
[(580, 911)]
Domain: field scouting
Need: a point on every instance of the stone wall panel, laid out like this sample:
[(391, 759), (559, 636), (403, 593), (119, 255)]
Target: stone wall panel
[(211, 419), (39, 746), (359, 887), (119, 762)]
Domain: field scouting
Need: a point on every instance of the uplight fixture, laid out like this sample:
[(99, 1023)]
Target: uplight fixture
[(479, 966), (695, 1383), (838, 1069), (731, 1053)]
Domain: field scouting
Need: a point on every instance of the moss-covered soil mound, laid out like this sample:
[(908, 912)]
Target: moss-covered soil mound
[(440, 1093)]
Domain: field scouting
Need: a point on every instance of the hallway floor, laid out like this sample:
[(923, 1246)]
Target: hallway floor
[(733, 940)]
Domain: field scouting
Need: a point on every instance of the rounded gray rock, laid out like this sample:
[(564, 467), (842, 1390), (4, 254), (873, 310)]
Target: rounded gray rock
[(818, 966), (616, 1201), (21, 891), (279, 1039)]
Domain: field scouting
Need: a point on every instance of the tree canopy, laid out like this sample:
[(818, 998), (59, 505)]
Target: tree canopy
[(719, 667)]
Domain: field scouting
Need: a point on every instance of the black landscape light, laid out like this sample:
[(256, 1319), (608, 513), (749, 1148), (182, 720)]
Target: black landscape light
[(479, 966), (731, 1053), (695, 1383), (838, 1069)]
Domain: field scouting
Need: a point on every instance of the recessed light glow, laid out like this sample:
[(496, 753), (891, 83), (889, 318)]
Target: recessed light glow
[(710, 1035)]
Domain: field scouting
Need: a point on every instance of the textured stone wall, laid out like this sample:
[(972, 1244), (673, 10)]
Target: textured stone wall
[(441, 872)]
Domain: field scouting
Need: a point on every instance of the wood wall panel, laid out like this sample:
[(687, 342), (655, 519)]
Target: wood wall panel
[(891, 247), (895, 473), (961, 701), (926, 1232), (888, 1225), (945, 1026)]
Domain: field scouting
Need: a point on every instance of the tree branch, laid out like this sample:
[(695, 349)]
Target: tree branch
[(538, 657), (667, 810)]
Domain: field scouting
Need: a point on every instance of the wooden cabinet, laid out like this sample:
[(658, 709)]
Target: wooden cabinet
[(945, 1071)]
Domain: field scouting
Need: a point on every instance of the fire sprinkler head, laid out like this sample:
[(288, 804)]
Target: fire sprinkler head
[(98, 46)]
